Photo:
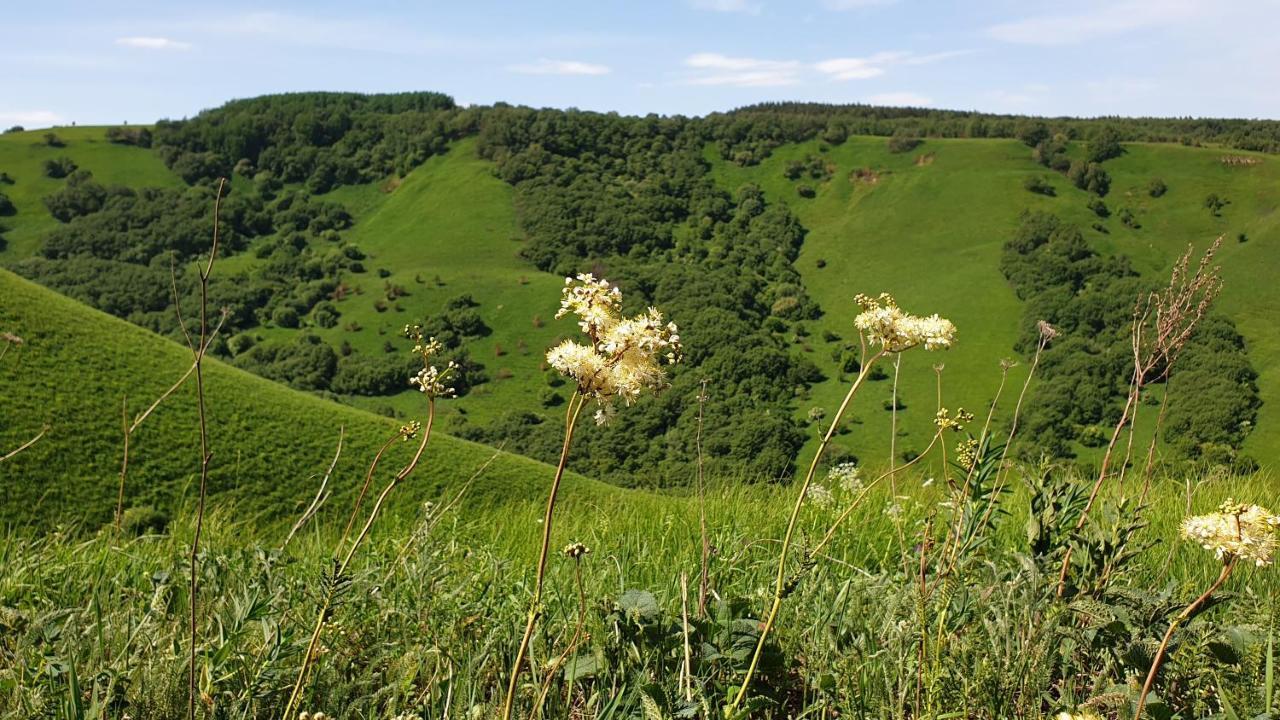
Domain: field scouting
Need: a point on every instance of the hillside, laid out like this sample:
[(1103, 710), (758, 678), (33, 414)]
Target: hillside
[(270, 444), (928, 226), (466, 220)]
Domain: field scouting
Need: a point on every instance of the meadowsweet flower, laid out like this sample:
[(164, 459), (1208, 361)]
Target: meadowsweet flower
[(847, 476), (819, 495), (1237, 530), (576, 550), (967, 453), (625, 356), (887, 325), (1079, 715), (945, 421), (431, 380)]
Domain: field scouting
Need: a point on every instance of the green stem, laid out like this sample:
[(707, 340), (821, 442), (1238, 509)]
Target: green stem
[(571, 420), (781, 580)]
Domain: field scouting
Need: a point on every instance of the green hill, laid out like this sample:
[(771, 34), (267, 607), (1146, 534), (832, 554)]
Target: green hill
[(498, 203), (270, 444), (928, 227)]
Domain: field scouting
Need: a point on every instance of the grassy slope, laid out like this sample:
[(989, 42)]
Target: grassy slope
[(931, 234), (22, 156), (452, 220), (270, 444)]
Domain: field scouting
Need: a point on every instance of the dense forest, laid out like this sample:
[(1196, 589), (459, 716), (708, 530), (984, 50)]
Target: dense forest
[(630, 198)]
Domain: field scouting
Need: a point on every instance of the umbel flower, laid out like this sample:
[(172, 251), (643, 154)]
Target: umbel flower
[(625, 356), (1239, 530), (887, 325), (431, 380)]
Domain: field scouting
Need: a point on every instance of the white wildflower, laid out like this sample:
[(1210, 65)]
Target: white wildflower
[(1237, 530), (847, 476), (819, 495), (885, 324)]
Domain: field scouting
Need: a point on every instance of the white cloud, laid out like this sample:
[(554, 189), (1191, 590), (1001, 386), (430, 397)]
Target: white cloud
[(741, 6), (1100, 21), (853, 68), (153, 43), (842, 5), (31, 118), (716, 69), (900, 99), (559, 67)]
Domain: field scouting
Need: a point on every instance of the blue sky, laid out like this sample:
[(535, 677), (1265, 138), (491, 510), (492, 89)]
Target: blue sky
[(139, 60)]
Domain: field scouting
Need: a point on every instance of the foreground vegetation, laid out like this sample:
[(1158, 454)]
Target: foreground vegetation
[(431, 614)]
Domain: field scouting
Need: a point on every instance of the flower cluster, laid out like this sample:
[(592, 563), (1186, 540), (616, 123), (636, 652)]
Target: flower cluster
[(847, 476), (625, 356), (1237, 530), (819, 495), (576, 550), (885, 324), (945, 421), (967, 453), (1081, 715), (431, 380), (410, 430)]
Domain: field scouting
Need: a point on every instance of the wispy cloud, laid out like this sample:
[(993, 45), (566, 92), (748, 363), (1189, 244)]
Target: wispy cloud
[(1098, 22), (717, 69), (545, 66), (741, 6), (863, 68), (35, 118), (153, 43), (842, 5), (900, 99)]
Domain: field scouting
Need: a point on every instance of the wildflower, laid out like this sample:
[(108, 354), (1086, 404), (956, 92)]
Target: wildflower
[(409, 431), (847, 476), (431, 380), (967, 453), (885, 324), (945, 421), (11, 338), (1237, 530), (819, 495), (1047, 331), (576, 550), (625, 356)]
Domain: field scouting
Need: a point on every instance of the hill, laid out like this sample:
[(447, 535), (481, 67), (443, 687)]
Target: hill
[(929, 225), (270, 444), (753, 229)]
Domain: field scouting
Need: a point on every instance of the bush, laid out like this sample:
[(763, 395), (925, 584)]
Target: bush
[(15, 129), (904, 143), (144, 520), (6, 206), (1098, 207), (805, 191), (1039, 186), (59, 167), (52, 140), (1214, 203), (1156, 188), (285, 317)]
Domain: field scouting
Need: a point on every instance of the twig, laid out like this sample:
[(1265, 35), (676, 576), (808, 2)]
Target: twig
[(26, 444), (320, 497)]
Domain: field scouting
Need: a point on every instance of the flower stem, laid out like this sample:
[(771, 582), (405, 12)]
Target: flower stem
[(571, 420), (781, 580), (1227, 567)]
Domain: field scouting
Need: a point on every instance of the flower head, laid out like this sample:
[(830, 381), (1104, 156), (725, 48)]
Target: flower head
[(576, 550), (625, 356), (1237, 530), (847, 476), (819, 495), (945, 421), (887, 325), (431, 380)]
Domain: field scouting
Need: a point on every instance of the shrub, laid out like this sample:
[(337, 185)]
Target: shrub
[(805, 191), (144, 520), (1156, 188), (1214, 204), (1098, 207), (285, 317), (52, 140), (1039, 186), (901, 143), (59, 167), (6, 206)]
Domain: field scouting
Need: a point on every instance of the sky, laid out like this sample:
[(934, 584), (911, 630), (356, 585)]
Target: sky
[(141, 60)]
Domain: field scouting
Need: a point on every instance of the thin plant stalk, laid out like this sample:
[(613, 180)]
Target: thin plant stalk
[(321, 495), (571, 421), (198, 353), (364, 489), (780, 584), (326, 605), (25, 445), (1182, 617), (703, 582)]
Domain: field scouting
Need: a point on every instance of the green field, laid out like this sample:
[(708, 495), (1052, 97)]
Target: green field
[(929, 230), (271, 445), (22, 156)]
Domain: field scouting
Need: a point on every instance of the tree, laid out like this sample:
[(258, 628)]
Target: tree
[(59, 167), (1104, 146), (1038, 185), (1214, 203), (1032, 132)]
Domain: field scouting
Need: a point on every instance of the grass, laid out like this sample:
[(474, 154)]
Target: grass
[(22, 156), (270, 444), (929, 230)]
